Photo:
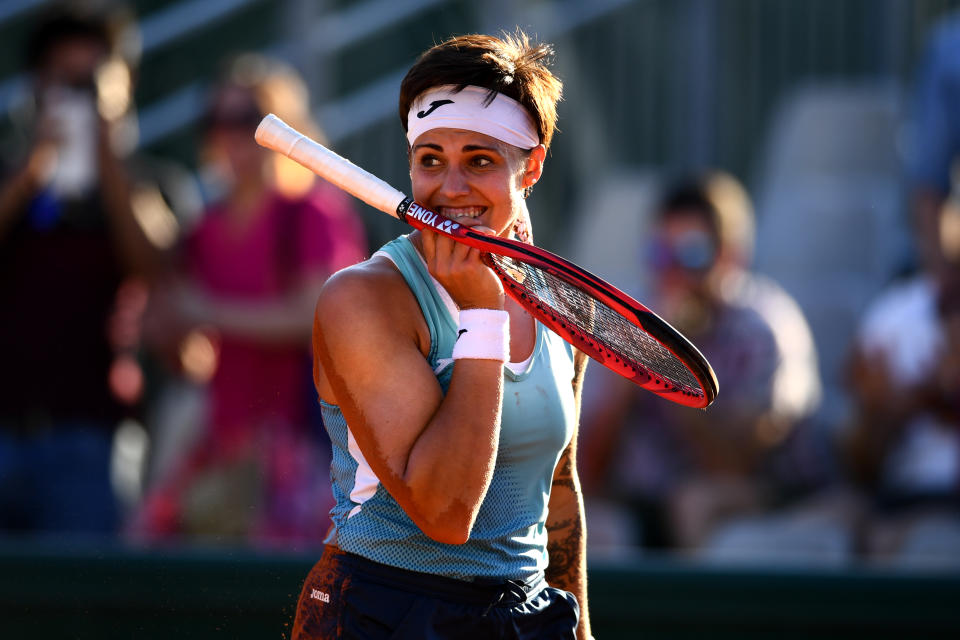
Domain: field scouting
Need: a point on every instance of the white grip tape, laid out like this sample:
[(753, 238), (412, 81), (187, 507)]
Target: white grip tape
[(483, 334), (275, 134)]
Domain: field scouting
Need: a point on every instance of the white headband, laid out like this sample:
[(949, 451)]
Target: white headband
[(504, 118)]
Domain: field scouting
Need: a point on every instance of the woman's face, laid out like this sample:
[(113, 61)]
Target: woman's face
[(683, 252), (472, 178), (230, 130)]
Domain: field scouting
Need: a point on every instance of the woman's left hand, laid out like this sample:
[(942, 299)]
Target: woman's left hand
[(459, 268)]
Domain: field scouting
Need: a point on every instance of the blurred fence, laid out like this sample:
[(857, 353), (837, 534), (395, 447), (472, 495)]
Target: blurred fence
[(104, 594), (676, 84)]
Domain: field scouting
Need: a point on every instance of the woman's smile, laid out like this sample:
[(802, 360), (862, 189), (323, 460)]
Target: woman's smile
[(467, 177)]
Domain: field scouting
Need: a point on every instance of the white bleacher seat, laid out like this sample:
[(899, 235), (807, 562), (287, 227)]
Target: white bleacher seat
[(832, 225)]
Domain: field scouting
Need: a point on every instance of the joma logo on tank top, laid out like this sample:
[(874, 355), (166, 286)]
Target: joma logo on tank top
[(430, 218)]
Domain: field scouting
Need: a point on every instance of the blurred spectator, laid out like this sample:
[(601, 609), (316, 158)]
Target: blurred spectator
[(79, 236), (935, 129), (239, 317), (685, 472), (904, 448)]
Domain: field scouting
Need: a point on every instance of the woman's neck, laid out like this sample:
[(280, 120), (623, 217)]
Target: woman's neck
[(246, 196)]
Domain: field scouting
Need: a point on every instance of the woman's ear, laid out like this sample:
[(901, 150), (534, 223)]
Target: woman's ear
[(534, 167)]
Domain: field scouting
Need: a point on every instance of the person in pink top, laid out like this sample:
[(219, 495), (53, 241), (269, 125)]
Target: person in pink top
[(252, 268), (255, 271)]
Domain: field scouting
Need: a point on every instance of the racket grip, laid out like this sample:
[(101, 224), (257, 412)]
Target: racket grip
[(275, 134)]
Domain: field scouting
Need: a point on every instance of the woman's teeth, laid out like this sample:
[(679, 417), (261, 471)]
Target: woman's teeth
[(455, 213)]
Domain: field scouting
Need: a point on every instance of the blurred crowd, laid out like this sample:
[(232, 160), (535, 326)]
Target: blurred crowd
[(156, 383), (157, 380)]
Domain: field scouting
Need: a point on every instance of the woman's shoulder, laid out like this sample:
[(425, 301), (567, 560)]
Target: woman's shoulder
[(375, 276), (371, 286), (368, 304)]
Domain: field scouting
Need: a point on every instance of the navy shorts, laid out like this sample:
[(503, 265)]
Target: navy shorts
[(347, 596)]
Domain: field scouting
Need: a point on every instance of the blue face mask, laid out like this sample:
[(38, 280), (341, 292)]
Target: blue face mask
[(693, 250)]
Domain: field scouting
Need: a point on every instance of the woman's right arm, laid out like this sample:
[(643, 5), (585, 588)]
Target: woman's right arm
[(21, 186), (14, 194), (433, 452)]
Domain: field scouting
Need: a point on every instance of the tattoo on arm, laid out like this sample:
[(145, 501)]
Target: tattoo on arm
[(564, 551), (566, 544), (563, 476), (565, 534)]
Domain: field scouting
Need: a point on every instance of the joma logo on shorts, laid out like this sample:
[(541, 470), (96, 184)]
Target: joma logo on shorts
[(316, 594)]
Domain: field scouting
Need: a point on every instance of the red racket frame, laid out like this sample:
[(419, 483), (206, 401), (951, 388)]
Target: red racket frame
[(420, 217)]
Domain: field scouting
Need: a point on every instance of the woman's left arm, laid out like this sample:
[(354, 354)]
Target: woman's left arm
[(566, 529)]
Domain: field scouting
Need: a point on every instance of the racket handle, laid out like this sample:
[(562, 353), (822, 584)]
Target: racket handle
[(275, 134)]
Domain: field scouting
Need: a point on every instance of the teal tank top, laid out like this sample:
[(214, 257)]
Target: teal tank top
[(509, 537)]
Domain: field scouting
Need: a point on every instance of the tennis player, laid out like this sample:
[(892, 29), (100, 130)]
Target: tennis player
[(452, 413)]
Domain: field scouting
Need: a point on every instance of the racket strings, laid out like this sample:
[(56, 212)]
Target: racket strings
[(598, 322)]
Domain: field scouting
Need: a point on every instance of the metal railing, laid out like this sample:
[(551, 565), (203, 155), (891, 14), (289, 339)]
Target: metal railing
[(157, 30), (332, 33), (376, 101)]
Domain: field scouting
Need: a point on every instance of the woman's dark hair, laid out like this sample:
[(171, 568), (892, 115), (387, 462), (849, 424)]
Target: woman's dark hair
[(510, 65), (273, 87), (61, 26), (690, 198)]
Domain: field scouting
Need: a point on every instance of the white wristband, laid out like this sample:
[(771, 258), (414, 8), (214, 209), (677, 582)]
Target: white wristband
[(483, 334)]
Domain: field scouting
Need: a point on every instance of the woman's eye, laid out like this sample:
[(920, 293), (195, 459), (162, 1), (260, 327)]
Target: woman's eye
[(429, 161), (482, 161)]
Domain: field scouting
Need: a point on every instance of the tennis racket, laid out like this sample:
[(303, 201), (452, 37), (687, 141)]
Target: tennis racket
[(600, 320)]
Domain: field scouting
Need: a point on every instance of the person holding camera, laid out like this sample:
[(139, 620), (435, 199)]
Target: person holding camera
[(68, 240)]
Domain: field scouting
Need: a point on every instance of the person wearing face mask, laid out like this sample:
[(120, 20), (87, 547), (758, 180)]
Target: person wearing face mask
[(68, 239), (452, 412), (682, 475)]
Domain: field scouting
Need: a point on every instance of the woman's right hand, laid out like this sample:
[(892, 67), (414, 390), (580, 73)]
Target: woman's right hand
[(459, 268)]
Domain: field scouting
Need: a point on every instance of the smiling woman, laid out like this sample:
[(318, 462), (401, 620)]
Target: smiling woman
[(455, 509)]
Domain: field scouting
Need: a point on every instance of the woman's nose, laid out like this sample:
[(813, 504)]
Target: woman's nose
[(455, 182)]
